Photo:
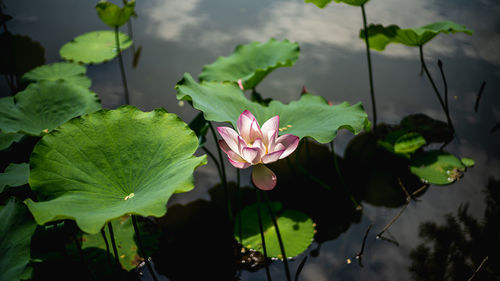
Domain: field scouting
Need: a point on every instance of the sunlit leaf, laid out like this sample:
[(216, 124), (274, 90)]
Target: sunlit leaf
[(14, 175), (114, 16), (73, 73), (252, 62), (409, 143), (7, 139), (19, 54), (110, 163), (296, 229), (311, 116), (323, 3), (43, 106), (94, 47), (16, 228), (468, 162), (380, 36), (437, 167)]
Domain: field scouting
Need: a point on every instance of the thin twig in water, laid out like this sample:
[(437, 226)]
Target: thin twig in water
[(299, 269), (479, 95), (478, 268), (359, 256)]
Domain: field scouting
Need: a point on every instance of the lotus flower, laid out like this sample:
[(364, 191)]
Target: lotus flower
[(255, 145)]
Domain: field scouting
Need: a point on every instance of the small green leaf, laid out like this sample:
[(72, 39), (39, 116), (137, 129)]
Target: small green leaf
[(111, 163), (7, 139), (43, 106), (16, 228), (379, 36), (323, 3), (296, 229), (409, 143), (437, 167), (94, 47), (114, 16), (73, 73), (224, 102), (468, 162), (14, 175), (252, 62)]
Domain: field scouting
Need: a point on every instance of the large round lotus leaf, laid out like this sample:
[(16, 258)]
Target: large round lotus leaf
[(71, 72), (252, 62), (94, 47), (114, 16), (19, 54), (14, 175), (43, 106), (7, 139), (437, 167), (311, 116), (323, 3), (16, 228), (296, 229), (110, 163), (380, 36)]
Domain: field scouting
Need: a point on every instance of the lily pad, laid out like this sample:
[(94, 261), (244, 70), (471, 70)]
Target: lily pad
[(43, 106), (70, 72), (19, 54), (311, 116), (323, 3), (380, 36), (94, 47), (114, 16), (7, 139), (16, 228), (252, 62), (296, 229), (437, 167), (468, 162), (111, 163), (14, 175), (409, 143)]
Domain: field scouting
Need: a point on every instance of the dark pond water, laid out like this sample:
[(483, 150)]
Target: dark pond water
[(182, 36)]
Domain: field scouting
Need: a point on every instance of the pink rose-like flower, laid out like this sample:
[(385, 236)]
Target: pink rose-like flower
[(255, 145)]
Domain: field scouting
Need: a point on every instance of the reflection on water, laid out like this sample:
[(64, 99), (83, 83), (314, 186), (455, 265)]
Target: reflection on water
[(182, 36)]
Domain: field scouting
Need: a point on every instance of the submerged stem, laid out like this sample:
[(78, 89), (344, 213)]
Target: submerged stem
[(259, 217), (141, 248), (370, 74), (122, 68)]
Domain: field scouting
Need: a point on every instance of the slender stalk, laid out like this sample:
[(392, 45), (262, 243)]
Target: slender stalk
[(259, 217), (339, 173), (238, 202), (141, 248), (131, 34), (113, 243), (212, 156), (478, 268), (299, 269), (445, 85), (443, 105), (280, 240), (223, 169), (108, 254), (122, 68), (370, 74), (359, 256)]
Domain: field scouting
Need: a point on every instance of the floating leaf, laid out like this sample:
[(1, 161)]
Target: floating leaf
[(432, 130), (16, 229), (437, 167), (380, 36), (323, 3), (70, 72), (94, 47), (110, 163), (14, 175), (114, 16), (7, 139), (468, 162), (43, 106), (19, 54), (224, 102), (296, 229), (409, 143), (252, 62)]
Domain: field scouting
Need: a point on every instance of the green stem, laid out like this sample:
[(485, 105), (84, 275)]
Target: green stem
[(259, 217), (445, 84), (131, 34), (113, 243), (108, 254), (280, 240), (238, 198), (223, 169), (141, 248), (122, 68), (370, 74), (443, 105), (212, 156)]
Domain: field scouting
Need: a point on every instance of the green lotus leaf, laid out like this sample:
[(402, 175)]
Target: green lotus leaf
[(43, 106), (7, 139), (200, 127), (19, 54), (296, 229), (437, 167), (323, 3), (379, 36), (94, 47), (14, 175), (409, 143), (114, 16), (71, 72), (111, 163), (224, 102), (252, 62), (468, 162), (16, 228)]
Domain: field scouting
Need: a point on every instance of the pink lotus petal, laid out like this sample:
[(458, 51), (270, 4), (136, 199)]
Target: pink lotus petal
[(240, 84), (290, 142), (230, 153), (241, 144), (240, 165), (258, 144), (244, 124), (270, 127), (251, 154), (255, 132), (263, 177), (230, 136), (272, 157)]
